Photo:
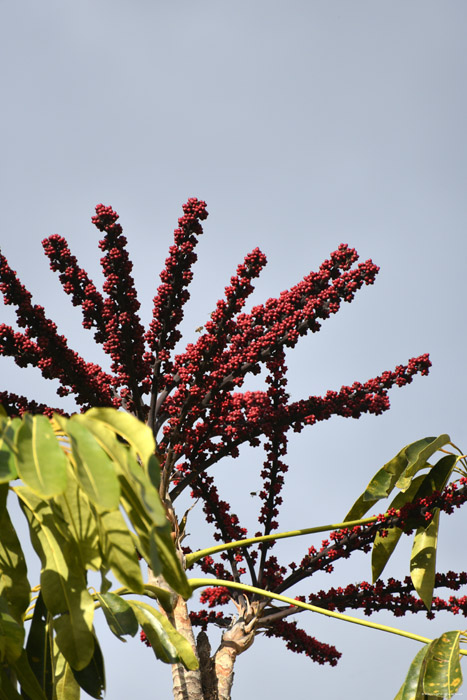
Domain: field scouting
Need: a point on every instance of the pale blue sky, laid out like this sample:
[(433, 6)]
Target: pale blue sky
[(303, 125)]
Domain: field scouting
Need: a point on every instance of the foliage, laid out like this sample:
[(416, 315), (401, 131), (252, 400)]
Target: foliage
[(80, 476), (194, 405)]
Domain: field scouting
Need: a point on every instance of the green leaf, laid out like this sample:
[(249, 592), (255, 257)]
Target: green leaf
[(165, 598), (7, 689), (144, 490), (73, 631), (11, 635), (119, 615), (170, 565), (77, 522), (92, 678), (38, 647), (40, 461), (417, 455), (119, 550), (437, 477), (63, 584), (168, 644), (8, 432), (412, 688), (30, 686), (66, 687), (383, 547), (397, 472), (95, 470), (443, 675), (136, 433), (423, 560), (14, 584)]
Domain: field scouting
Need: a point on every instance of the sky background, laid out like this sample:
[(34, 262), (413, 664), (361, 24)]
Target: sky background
[(303, 125)]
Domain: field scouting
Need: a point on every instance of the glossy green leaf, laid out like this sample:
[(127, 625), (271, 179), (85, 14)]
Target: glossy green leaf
[(14, 584), (73, 631), (136, 433), (30, 687), (412, 688), (146, 492), (66, 687), (38, 647), (7, 689), (119, 550), (383, 547), (170, 564), (443, 675), (11, 635), (3, 413), (417, 455), (169, 645), (95, 470), (63, 584), (77, 522), (8, 450), (165, 598), (399, 472), (437, 477), (92, 678), (423, 560), (40, 461), (119, 615)]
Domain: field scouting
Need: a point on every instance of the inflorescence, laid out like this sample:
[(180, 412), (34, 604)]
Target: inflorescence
[(194, 401)]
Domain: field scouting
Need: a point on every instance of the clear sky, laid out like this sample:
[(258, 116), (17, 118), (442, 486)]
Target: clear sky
[(303, 124)]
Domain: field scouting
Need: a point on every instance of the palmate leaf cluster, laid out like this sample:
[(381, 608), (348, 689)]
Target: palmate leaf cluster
[(79, 482)]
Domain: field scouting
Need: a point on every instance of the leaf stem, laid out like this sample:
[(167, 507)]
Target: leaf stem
[(200, 553), (202, 582)]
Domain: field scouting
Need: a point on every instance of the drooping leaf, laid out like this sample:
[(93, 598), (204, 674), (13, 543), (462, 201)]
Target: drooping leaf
[(40, 461), (437, 477), (11, 635), (119, 615), (417, 455), (412, 688), (383, 547), (399, 472), (14, 584), (63, 584), (95, 470), (168, 644), (7, 688), (38, 648), (73, 631), (66, 687), (136, 433), (147, 494), (170, 564), (92, 678), (77, 522), (119, 550), (443, 675), (423, 560), (30, 686), (8, 432)]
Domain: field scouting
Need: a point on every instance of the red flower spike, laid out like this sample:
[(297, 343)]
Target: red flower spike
[(200, 414)]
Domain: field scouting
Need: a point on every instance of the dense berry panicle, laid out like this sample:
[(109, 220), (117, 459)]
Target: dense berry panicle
[(299, 641), (196, 406)]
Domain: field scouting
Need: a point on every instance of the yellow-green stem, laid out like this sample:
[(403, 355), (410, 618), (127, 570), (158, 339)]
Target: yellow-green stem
[(196, 556), (202, 582)]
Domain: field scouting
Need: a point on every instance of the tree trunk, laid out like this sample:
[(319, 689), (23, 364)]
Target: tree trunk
[(214, 679)]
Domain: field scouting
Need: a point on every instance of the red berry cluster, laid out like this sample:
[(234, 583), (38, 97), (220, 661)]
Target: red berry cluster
[(193, 400)]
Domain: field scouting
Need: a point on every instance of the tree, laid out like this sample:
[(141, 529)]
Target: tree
[(193, 404)]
